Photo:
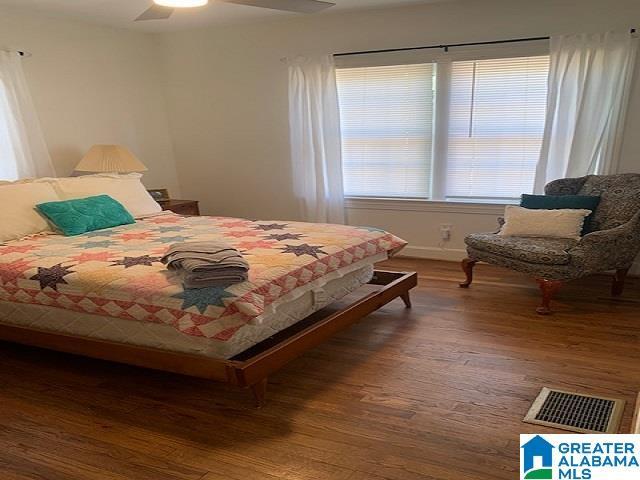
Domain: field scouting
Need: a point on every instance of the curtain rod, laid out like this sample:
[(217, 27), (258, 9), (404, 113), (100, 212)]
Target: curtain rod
[(448, 46), (21, 53)]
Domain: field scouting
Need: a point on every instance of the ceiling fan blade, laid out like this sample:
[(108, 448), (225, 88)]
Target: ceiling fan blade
[(155, 12), (300, 6)]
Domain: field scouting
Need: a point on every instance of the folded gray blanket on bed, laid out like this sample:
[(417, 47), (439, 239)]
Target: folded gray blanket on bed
[(207, 264)]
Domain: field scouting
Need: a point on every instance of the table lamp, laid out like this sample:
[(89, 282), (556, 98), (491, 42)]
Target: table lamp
[(111, 159)]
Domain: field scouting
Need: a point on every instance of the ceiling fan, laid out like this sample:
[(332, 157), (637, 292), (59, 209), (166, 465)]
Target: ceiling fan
[(163, 9)]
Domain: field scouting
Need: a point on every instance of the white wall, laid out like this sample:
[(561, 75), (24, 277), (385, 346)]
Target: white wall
[(227, 94), (94, 84)]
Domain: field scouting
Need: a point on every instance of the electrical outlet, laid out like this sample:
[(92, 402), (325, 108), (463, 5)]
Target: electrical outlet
[(445, 232)]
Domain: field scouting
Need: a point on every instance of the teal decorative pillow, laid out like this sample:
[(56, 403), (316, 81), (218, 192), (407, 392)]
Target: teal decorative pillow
[(562, 202), (75, 217)]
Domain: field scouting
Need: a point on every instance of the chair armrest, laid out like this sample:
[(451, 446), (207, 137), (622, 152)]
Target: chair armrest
[(608, 249), (565, 186)]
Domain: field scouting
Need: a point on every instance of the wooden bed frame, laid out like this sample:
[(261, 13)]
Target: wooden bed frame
[(249, 369)]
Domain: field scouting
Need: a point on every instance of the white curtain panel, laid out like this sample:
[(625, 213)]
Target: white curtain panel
[(589, 83), (23, 151), (316, 151)]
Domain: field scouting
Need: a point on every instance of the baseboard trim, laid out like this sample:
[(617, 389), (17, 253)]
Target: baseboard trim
[(434, 253), (457, 254)]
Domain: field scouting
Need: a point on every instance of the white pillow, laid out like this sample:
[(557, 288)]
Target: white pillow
[(126, 189), (526, 222), (19, 217)]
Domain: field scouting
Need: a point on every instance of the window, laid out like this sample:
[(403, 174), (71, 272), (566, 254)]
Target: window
[(458, 129), (387, 133), (8, 167), (496, 121)]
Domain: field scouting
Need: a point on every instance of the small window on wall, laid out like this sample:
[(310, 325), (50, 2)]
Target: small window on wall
[(387, 130), (496, 123), (452, 129), (8, 167)]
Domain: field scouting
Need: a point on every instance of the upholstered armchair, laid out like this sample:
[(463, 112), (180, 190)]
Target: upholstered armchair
[(612, 244)]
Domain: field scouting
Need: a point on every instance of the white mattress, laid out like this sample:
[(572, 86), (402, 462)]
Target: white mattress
[(166, 337)]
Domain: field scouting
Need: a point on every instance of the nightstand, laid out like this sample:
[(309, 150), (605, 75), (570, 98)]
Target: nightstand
[(181, 207)]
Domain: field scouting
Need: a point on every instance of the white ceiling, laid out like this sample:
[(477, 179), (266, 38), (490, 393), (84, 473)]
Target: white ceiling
[(120, 13)]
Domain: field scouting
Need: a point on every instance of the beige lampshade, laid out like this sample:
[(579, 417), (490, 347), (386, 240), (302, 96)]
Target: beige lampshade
[(110, 158)]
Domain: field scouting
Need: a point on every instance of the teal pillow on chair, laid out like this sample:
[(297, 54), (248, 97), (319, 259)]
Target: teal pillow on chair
[(557, 202), (75, 217)]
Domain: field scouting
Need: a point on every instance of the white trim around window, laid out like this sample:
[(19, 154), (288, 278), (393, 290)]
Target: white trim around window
[(456, 166), (428, 206)]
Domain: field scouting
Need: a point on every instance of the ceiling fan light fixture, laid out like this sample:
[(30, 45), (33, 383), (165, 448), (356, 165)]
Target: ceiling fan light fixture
[(181, 3)]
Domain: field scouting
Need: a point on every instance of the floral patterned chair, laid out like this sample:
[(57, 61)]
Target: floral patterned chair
[(612, 244)]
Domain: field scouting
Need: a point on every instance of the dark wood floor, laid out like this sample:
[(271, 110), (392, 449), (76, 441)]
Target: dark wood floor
[(437, 392)]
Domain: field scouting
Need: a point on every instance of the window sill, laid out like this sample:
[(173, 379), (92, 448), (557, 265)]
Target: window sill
[(493, 208)]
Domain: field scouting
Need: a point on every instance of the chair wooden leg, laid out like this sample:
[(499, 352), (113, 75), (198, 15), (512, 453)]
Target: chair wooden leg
[(406, 298), (259, 391), (467, 267), (549, 288), (619, 277)]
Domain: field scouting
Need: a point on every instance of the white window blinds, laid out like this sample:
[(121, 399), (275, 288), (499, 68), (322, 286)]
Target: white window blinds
[(387, 129), (496, 123)]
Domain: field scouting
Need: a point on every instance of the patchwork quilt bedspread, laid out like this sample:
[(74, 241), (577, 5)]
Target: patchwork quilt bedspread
[(117, 272)]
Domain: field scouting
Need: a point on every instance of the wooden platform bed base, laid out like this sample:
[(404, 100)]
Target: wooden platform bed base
[(251, 368)]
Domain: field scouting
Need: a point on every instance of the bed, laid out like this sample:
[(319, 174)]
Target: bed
[(106, 294)]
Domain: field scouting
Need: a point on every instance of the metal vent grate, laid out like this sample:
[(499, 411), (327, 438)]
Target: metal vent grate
[(576, 412)]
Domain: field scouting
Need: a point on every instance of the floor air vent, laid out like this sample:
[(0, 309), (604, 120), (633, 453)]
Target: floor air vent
[(576, 412)]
